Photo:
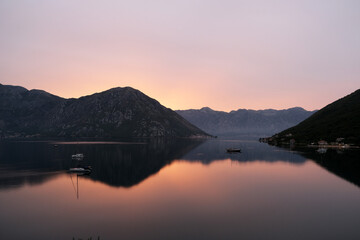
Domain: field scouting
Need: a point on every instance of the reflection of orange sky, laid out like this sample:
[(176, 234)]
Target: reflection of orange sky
[(182, 193), (187, 181), (180, 184), (184, 181)]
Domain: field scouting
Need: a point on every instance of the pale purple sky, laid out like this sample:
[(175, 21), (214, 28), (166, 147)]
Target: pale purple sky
[(187, 54)]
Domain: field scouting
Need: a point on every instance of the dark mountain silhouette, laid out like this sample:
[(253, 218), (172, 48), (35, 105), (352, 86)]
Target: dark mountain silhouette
[(340, 119), (243, 121), (116, 113)]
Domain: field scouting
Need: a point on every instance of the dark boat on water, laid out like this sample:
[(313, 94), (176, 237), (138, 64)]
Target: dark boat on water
[(233, 150), (80, 169)]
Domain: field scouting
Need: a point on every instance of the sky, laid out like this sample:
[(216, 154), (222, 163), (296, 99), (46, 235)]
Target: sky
[(228, 54)]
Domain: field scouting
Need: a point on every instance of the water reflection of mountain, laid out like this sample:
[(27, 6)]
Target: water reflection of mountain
[(27, 163), (343, 163), (127, 164), (215, 150), (116, 164)]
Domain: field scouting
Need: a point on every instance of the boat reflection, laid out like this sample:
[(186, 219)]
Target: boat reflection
[(76, 186)]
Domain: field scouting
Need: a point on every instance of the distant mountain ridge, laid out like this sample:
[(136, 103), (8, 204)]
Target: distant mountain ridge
[(244, 121), (338, 120), (115, 113)]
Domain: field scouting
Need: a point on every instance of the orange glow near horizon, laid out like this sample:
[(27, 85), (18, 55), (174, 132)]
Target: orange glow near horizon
[(182, 97), (276, 56)]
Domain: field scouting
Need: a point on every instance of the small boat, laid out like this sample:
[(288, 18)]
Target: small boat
[(78, 156), (80, 170), (322, 150), (231, 150)]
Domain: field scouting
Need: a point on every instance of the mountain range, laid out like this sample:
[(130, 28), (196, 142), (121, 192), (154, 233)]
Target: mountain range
[(127, 112), (115, 113), (244, 122)]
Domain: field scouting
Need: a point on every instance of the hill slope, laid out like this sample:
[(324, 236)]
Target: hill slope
[(340, 119), (245, 122), (118, 112)]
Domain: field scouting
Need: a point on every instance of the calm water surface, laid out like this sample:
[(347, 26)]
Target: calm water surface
[(177, 190)]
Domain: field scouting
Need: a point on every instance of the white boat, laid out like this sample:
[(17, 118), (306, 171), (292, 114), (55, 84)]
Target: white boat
[(80, 170), (77, 156), (322, 150)]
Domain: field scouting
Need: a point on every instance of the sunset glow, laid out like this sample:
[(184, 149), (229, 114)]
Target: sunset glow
[(186, 54)]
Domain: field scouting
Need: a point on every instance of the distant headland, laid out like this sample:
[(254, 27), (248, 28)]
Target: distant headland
[(335, 126)]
